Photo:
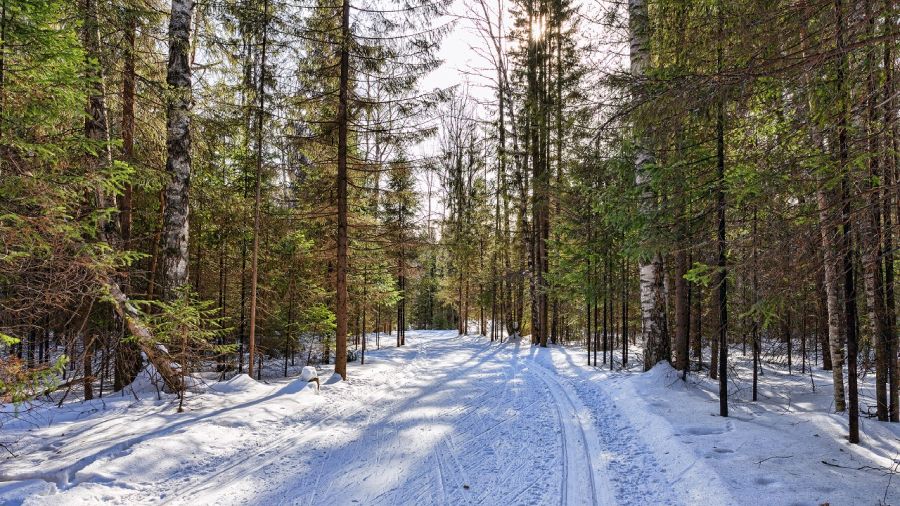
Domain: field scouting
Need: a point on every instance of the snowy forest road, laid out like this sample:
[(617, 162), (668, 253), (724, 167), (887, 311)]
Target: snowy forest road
[(446, 419), (461, 423)]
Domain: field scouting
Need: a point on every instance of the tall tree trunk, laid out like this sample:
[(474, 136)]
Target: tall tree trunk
[(721, 245), (891, 180), (178, 145), (870, 237), (828, 228), (653, 313), (847, 243), (340, 360), (260, 116), (128, 89), (833, 292), (754, 326)]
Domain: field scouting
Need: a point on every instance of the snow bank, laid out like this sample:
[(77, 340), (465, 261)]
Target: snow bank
[(148, 381), (297, 386), (241, 383), (786, 448)]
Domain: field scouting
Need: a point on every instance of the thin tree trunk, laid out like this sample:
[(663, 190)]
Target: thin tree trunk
[(891, 179), (755, 299), (88, 364), (847, 245), (723, 258), (254, 261), (833, 296), (343, 120), (682, 319)]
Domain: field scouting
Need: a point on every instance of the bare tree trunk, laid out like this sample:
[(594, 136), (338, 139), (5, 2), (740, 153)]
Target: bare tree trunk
[(128, 88), (178, 144), (682, 320), (755, 299), (847, 243), (888, 196), (697, 326), (653, 314), (870, 238), (721, 244), (624, 313), (340, 361), (833, 295), (87, 362), (254, 262)]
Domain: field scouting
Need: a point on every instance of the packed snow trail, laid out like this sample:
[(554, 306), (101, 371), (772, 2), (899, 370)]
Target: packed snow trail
[(444, 420), (448, 420), (464, 423)]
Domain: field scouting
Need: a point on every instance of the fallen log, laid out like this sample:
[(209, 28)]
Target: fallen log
[(132, 318)]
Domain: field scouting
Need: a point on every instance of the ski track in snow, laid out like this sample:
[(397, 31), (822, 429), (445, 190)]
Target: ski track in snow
[(637, 475), (445, 420)]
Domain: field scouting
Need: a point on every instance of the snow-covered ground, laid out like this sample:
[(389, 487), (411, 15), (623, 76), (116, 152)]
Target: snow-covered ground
[(455, 420)]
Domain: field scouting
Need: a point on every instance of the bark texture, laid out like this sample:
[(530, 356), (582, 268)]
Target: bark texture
[(653, 314), (178, 148), (340, 359)]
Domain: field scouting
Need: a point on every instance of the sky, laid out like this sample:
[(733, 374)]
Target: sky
[(461, 60), (464, 65)]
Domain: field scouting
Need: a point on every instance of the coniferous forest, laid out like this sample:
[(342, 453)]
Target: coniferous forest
[(622, 236)]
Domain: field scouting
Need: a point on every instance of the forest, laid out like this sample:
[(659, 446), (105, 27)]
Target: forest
[(195, 191)]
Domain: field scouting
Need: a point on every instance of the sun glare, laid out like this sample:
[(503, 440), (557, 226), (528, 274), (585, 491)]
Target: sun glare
[(537, 29)]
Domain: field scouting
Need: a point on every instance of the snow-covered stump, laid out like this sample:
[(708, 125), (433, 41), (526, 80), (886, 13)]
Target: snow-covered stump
[(309, 375)]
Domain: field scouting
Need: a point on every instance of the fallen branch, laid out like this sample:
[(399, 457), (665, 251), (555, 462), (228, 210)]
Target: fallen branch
[(861, 468), (774, 457), (5, 447)]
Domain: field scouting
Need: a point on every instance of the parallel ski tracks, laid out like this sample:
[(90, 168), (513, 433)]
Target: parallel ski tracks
[(577, 446)]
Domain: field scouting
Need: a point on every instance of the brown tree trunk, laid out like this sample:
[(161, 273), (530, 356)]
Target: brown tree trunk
[(847, 242), (343, 119), (833, 293), (254, 261), (697, 326), (870, 239), (891, 180), (682, 320), (88, 364)]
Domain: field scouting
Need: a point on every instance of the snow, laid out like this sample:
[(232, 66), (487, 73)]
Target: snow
[(455, 420), (241, 383), (308, 373)]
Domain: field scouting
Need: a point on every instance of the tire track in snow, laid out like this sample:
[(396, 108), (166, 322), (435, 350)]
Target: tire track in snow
[(384, 435), (531, 407), (391, 448)]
